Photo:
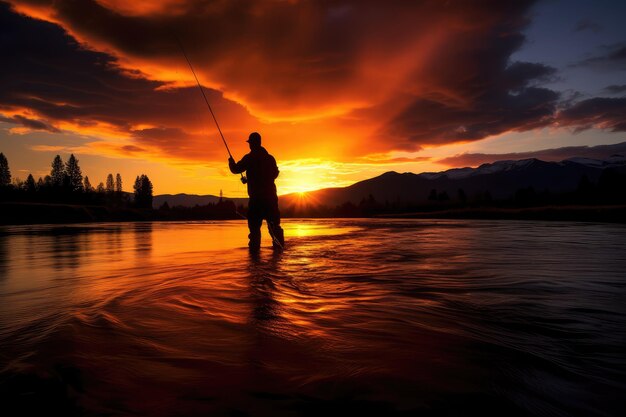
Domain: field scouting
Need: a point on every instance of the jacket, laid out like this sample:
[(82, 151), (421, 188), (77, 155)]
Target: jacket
[(261, 170)]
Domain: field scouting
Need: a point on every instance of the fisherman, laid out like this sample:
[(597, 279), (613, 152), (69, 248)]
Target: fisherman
[(261, 171)]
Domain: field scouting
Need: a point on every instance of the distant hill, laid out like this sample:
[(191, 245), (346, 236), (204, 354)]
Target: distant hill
[(190, 200), (500, 179)]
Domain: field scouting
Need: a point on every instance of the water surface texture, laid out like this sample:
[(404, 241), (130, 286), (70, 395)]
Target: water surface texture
[(373, 317)]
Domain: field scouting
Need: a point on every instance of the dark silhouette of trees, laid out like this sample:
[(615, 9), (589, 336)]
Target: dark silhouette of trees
[(143, 192), (118, 183), (347, 209), (369, 206), (74, 175), (224, 209), (110, 186), (5, 173), (57, 174), (66, 184), (30, 186), (87, 185)]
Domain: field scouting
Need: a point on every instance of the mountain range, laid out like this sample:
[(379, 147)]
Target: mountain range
[(500, 179)]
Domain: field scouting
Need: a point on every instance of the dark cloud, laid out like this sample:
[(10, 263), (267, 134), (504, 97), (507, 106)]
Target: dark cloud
[(433, 122), (416, 73), (48, 73), (587, 24), (492, 95), (30, 124), (557, 154), (289, 56), (520, 75), (615, 89), (612, 58), (600, 112), (177, 143), (132, 149)]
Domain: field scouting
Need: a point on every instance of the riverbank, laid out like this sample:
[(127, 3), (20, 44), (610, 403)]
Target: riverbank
[(605, 214), (53, 213), (44, 213)]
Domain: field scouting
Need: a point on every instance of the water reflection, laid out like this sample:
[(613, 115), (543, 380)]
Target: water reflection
[(4, 255), (367, 316), (262, 269), (69, 244), (143, 239), (110, 242)]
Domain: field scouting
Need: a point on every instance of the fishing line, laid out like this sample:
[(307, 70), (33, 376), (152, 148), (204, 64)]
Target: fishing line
[(206, 100)]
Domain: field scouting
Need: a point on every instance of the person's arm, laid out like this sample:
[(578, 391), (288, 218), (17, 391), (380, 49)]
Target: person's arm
[(238, 167), (275, 170)]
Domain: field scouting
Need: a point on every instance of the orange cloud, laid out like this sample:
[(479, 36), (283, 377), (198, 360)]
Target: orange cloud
[(336, 81)]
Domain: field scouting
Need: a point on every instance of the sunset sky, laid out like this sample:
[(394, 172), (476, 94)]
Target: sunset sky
[(340, 90)]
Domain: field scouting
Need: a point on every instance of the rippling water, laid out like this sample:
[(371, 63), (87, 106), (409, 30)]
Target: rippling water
[(374, 317)]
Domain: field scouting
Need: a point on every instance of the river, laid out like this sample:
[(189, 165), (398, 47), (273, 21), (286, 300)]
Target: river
[(373, 317)]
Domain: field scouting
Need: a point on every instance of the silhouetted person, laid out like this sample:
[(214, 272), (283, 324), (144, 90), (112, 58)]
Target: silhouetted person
[(261, 170)]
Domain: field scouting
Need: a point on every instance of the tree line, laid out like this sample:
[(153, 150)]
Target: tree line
[(609, 189), (66, 184)]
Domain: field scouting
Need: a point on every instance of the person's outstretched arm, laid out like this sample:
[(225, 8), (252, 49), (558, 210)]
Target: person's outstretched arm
[(238, 167)]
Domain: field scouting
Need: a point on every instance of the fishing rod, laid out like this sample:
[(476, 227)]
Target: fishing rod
[(180, 44), (243, 178)]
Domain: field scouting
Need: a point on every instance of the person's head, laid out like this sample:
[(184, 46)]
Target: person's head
[(254, 140)]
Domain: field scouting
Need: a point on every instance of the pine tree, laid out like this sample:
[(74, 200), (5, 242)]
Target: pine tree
[(110, 187), (30, 186), (137, 190), (143, 191), (100, 188), (40, 184), (57, 174), (87, 185), (118, 183), (75, 176), (147, 189), (5, 173)]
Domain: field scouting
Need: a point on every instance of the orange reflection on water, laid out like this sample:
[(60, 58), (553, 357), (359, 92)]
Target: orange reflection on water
[(146, 311), (304, 228)]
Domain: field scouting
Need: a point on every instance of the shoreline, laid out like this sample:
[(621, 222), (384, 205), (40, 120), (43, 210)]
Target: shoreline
[(23, 213), (600, 213)]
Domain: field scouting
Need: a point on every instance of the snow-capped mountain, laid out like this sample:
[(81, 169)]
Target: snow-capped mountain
[(501, 179)]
